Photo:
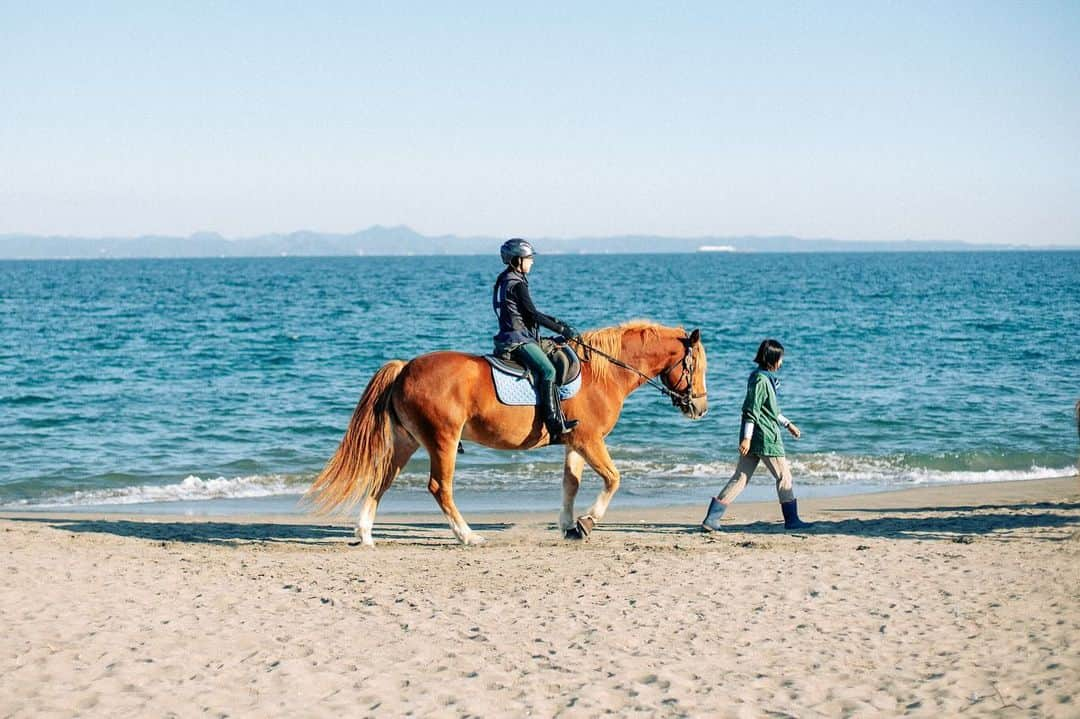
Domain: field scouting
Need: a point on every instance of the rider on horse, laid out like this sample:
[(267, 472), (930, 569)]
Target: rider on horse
[(519, 332)]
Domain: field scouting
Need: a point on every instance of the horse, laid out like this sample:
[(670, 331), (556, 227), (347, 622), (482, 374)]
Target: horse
[(438, 399)]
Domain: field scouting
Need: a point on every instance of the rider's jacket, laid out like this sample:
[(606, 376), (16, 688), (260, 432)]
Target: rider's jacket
[(519, 320)]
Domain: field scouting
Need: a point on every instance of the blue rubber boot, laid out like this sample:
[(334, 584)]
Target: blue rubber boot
[(791, 516), (711, 523)]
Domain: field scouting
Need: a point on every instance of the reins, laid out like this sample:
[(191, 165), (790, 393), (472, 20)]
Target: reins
[(678, 398)]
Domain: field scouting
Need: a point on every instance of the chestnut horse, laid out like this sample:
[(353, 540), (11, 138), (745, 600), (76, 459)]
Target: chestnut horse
[(440, 398)]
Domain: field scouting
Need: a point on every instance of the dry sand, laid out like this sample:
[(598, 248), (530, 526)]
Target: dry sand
[(953, 601)]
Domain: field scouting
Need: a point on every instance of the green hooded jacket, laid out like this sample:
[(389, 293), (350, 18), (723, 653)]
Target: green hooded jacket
[(761, 408)]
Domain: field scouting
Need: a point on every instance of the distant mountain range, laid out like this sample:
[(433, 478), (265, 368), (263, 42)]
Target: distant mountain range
[(402, 240)]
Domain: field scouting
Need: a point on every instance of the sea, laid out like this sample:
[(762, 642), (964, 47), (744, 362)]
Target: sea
[(221, 386)]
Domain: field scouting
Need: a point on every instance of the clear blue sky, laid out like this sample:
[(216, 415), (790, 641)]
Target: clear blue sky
[(851, 120)]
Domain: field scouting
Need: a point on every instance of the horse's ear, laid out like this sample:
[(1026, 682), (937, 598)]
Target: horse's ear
[(694, 338)]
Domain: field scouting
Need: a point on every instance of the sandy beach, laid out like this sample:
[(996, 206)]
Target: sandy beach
[(926, 602)]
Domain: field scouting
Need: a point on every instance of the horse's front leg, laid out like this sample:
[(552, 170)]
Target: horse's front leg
[(571, 481), (596, 454)]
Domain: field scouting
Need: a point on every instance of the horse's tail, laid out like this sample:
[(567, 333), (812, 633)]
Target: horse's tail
[(366, 453)]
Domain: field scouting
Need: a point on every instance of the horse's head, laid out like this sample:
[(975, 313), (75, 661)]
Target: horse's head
[(686, 379)]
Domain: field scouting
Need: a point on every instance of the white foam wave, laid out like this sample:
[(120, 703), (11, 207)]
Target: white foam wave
[(832, 469), (819, 469), (191, 488), (892, 471), (838, 469), (638, 474)]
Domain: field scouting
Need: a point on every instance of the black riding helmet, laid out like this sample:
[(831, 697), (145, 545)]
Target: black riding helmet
[(512, 249)]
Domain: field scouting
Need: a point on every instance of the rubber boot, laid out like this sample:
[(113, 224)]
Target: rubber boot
[(551, 411), (711, 523), (791, 516)]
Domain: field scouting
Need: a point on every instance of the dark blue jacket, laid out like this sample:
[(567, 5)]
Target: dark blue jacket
[(519, 320)]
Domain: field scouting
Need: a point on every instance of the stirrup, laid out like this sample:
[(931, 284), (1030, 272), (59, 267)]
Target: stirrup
[(556, 432)]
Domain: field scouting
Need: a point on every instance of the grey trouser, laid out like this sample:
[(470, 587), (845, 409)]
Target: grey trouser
[(777, 466)]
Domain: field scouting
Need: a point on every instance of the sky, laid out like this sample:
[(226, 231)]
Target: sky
[(868, 121)]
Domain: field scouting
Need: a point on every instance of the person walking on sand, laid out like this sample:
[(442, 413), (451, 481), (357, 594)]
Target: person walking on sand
[(760, 441)]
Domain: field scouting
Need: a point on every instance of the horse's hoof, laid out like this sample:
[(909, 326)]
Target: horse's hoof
[(573, 533), (362, 538), (474, 539), (584, 525)]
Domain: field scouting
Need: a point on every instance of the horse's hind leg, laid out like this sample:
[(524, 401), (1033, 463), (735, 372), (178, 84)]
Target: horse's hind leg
[(571, 482), (441, 485), (404, 447)]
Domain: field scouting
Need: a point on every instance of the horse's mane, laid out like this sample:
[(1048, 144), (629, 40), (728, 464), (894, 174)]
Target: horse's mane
[(609, 341)]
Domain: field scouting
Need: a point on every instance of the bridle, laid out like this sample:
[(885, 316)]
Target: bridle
[(681, 398)]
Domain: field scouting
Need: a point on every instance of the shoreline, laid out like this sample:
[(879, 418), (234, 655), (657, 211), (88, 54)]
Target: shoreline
[(642, 507), (924, 601), (413, 501)]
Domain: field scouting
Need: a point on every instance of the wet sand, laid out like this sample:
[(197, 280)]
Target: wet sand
[(925, 602)]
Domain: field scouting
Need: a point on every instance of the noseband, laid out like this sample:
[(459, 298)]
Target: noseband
[(683, 398)]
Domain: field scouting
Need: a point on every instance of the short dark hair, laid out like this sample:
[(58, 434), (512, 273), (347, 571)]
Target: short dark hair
[(769, 353)]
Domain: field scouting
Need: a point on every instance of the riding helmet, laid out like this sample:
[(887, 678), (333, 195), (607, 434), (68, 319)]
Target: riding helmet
[(514, 248)]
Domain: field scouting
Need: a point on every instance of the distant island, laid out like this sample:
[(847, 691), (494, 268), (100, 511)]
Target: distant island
[(401, 240)]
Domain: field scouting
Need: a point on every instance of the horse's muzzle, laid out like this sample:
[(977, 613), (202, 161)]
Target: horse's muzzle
[(696, 408)]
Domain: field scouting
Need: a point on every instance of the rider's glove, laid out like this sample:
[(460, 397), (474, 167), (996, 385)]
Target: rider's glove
[(569, 332)]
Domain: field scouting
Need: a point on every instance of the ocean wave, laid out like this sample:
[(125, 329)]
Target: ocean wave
[(893, 471), (191, 488), (816, 469), (26, 400), (653, 477)]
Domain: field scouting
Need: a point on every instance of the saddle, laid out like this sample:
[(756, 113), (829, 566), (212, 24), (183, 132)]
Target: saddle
[(514, 384)]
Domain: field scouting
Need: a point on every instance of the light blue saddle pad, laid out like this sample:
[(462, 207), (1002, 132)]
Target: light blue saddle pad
[(512, 385)]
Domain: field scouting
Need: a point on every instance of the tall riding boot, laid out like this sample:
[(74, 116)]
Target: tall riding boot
[(791, 516), (556, 402), (551, 410)]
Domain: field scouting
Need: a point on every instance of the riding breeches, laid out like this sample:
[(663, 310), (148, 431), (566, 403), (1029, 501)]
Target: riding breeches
[(532, 356)]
